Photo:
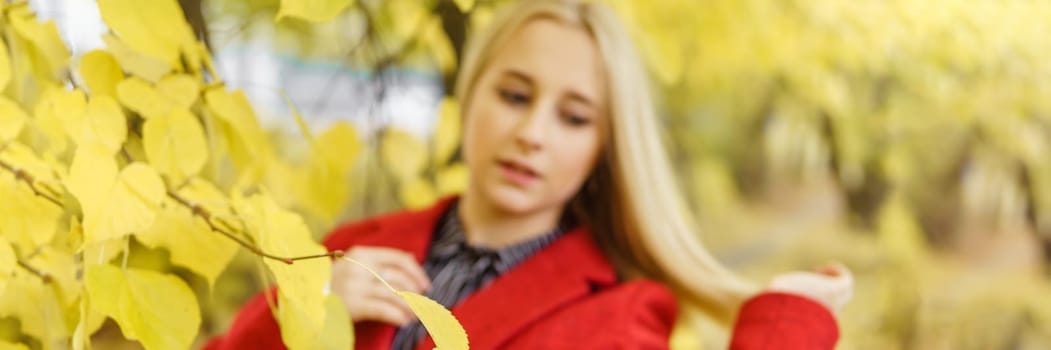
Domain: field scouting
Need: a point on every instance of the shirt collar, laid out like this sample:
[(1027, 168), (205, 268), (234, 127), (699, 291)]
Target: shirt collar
[(450, 240)]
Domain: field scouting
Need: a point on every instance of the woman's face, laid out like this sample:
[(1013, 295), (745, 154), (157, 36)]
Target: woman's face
[(533, 126)]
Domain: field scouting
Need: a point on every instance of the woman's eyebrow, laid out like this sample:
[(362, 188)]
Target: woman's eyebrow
[(516, 74), (578, 97)]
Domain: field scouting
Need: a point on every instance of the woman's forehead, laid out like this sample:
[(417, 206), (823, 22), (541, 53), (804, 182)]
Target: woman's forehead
[(555, 55)]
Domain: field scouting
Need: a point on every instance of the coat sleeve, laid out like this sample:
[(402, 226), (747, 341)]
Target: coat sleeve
[(784, 321), (255, 326)]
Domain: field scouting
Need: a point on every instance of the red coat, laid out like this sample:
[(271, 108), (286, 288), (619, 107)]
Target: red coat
[(567, 296)]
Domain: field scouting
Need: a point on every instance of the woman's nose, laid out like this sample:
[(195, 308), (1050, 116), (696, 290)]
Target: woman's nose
[(532, 131)]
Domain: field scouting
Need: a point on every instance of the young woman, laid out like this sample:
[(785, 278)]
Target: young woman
[(571, 233)]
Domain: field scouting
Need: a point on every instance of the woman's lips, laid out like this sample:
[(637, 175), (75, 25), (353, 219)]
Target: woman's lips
[(518, 173)]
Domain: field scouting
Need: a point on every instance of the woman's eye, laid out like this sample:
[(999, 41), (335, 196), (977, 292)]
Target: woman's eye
[(575, 120), (514, 97)]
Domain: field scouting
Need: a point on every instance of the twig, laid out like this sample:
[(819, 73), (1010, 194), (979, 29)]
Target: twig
[(203, 213), (22, 175), (43, 275)]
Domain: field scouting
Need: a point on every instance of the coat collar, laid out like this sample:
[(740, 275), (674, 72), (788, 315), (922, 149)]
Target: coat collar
[(565, 270)]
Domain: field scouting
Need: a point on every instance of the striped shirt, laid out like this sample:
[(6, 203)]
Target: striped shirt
[(457, 269)]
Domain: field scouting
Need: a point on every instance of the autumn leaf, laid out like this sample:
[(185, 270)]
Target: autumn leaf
[(46, 44), (103, 124), (143, 98), (452, 179), (325, 178), (7, 263), (141, 300), (238, 125), (12, 119), (445, 329), (175, 144), (100, 72), (439, 322), (190, 241), (29, 220), (417, 193), (155, 29), (311, 10), (301, 299), (114, 204), (403, 154), (138, 64), (5, 65), (447, 131)]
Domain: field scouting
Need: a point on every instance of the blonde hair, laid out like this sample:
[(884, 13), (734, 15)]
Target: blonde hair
[(636, 213)]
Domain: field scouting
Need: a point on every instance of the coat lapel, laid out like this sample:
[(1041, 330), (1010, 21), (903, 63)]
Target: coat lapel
[(564, 271)]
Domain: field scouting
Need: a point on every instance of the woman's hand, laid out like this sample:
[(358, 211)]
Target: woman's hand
[(831, 285), (365, 297)]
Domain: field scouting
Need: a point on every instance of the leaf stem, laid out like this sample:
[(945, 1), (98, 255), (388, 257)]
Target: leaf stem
[(43, 275), (24, 176), (203, 213)]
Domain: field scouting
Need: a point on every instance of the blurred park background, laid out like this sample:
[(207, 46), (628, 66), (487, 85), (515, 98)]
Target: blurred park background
[(909, 139)]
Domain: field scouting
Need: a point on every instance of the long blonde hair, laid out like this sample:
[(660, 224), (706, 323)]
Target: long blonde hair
[(635, 210)]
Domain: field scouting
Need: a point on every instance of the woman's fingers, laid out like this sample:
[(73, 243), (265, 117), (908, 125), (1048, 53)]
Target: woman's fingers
[(832, 285), (399, 280), (390, 258), (365, 297), (382, 310)]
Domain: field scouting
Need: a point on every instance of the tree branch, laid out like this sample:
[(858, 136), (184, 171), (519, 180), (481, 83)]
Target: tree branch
[(22, 175), (43, 275), (203, 213)]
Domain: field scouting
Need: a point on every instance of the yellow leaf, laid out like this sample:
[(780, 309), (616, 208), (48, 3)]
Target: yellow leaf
[(311, 10), (7, 263), (338, 333), (465, 5), (403, 154), (447, 131), (326, 187), (445, 329), (157, 28), (12, 119), (303, 128), (439, 322), (899, 233), (175, 144), (139, 96), (45, 43), (29, 221), (102, 124), (202, 51), (57, 114), (4, 345), (31, 73), (452, 179), (5, 65), (190, 241), (63, 271), (204, 194), (114, 205), (138, 64), (301, 299), (241, 130), (100, 73), (417, 193), (440, 47), (181, 89), (141, 301), (38, 309)]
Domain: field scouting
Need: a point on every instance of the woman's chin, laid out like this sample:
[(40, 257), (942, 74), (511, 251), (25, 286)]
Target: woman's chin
[(511, 199)]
